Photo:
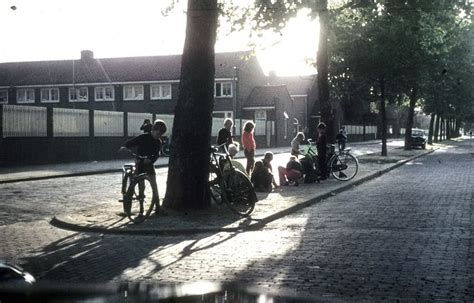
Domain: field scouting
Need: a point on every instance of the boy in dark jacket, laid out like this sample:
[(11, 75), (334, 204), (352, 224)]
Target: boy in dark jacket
[(148, 145)]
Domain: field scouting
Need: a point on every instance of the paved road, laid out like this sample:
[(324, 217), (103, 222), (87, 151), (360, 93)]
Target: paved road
[(34, 200), (407, 235)]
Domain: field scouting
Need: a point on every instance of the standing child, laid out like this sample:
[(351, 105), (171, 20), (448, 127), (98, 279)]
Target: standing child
[(225, 134), (148, 145), (248, 142), (146, 126)]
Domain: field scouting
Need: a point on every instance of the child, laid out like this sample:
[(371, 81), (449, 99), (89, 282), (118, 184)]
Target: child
[(295, 144), (225, 134), (341, 138), (262, 176), (148, 145), (248, 142), (146, 126), (292, 173)]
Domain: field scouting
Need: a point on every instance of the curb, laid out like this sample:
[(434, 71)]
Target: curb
[(63, 224), (98, 172)]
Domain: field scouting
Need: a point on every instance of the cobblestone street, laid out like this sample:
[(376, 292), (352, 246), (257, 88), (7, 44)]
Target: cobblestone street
[(406, 235)]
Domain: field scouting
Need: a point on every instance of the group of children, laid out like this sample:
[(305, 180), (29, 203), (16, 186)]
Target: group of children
[(261, 172)]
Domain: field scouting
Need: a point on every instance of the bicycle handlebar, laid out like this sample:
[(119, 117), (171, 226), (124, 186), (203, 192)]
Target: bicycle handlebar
[(136, 155)]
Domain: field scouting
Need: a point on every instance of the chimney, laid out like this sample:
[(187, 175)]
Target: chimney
[(87, 55), (272, 77)]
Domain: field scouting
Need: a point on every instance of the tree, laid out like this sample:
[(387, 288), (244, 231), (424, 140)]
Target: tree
[(189, 161)]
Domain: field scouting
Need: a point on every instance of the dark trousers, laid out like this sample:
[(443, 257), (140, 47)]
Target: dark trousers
[(250, 155)]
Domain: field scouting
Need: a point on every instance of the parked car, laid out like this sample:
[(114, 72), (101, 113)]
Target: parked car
[(418, 138)]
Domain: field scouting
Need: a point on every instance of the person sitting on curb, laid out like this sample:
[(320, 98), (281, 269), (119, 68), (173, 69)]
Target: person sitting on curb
[(292, 173), (295, 144), (262, 176)]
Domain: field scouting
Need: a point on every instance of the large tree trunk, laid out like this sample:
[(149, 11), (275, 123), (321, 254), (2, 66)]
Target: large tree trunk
[(430, 132), (411, 115), (189, 161), (322, 63), (383, 112), (436, 131)]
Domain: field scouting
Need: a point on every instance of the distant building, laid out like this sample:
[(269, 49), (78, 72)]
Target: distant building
[(122, 91)]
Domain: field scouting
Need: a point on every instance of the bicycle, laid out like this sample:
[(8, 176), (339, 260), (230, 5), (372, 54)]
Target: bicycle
[(229, 185), (342, 165), (137, 193)]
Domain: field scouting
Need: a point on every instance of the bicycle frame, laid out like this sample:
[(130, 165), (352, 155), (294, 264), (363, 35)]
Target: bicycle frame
[(217, 161)]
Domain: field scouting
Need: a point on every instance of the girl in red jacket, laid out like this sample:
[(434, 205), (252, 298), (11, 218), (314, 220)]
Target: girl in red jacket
[(248, 142)]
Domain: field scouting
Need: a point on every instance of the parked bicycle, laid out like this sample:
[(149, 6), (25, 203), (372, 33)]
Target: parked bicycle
[(342, 165), (137, 193), (229, 185)]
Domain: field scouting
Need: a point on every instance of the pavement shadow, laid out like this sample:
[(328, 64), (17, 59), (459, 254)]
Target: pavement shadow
[(90, 258)]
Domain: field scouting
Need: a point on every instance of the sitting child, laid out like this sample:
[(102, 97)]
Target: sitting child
[(295, 144), (293, 172), (262, 175)]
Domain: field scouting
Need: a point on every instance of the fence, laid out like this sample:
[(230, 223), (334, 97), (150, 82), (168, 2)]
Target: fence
[(32, 121), (70, 122), (24, 121), (37, 135)]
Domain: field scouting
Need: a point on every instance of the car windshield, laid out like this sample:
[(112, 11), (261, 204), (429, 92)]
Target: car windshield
[(418, 133)]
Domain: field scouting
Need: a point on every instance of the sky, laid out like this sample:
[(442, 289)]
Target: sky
[(34, 30)]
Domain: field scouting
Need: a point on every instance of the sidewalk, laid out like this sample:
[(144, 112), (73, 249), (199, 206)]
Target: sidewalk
[(47, 171), (105, 218)]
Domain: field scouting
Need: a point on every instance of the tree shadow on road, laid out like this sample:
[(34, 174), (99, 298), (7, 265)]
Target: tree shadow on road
[(85, 258)]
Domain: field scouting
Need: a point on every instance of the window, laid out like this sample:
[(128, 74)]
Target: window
[(80, 94), (260, 114), (50, 95), (219, 114), (104, 93), (25, 95), (160, 91), (133, 92), (223, 89), (3, 96)]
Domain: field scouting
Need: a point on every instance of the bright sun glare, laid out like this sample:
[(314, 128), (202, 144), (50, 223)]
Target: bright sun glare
[(57, 29)]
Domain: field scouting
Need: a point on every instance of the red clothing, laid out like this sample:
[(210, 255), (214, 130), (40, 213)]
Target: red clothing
[(248, 141)]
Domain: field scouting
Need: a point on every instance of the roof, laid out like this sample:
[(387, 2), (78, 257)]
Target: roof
[(127, 69), (297, 85), (266, 95)]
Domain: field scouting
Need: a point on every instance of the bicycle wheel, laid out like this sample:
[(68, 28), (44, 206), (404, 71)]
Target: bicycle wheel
[(240, 194), (139, 201), (215, 190), (344, 166), (165, 150)]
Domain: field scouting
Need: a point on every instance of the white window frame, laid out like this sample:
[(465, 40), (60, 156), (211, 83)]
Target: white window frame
[(219, 93), (134, 89), (227, 114), (49, 92), (25, 91), (6, 96), (160, 92), (78, 94), (96, 90)]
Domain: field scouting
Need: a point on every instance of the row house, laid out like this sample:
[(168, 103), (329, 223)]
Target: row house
[(148, 84), (132, 84)]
